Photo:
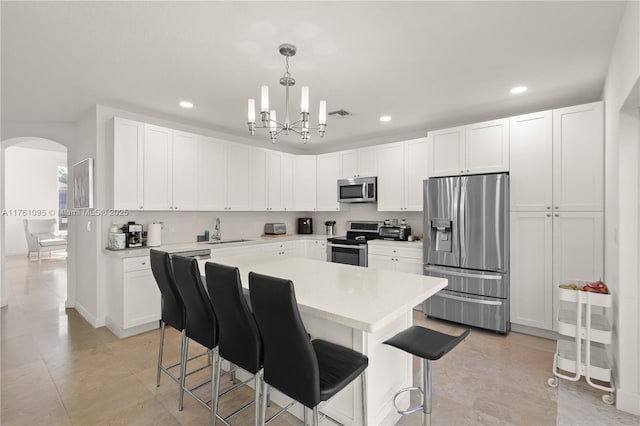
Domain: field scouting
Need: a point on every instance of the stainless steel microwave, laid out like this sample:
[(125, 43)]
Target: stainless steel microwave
[(358, 190)]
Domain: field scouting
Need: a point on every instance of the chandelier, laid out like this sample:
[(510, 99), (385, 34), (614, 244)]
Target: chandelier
[(268, 117)]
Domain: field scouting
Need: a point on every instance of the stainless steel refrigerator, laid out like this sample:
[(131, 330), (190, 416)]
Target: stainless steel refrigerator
[(466, 227)]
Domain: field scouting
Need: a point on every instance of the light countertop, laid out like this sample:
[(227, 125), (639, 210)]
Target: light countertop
[(393, 243), (171, 248), (362, 298)]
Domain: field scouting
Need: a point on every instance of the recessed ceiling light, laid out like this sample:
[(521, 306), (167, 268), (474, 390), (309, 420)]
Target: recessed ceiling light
[(517, 90), (385, 118), (186, 104)]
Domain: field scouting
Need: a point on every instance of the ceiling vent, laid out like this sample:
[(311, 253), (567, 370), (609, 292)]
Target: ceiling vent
[(340, 113)]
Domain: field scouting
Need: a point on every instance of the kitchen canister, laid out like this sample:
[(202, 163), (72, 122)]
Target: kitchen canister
[(154, 234), (117, 241)]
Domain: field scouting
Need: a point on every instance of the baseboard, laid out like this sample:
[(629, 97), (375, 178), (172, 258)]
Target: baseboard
[(628, 402), (4, 302), (86, 315), (122, 333), (532, 331)]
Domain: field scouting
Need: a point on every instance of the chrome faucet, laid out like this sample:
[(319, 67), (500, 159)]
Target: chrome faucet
[(217, 233)]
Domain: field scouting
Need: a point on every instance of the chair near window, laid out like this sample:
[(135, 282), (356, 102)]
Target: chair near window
[(42, 236)]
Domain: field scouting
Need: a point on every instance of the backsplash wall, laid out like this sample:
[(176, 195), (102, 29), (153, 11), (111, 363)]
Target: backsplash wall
[(183, 227)]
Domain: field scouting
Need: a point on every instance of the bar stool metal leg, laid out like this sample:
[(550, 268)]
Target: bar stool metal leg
[(316, 416), (160, 353), (305, 415), (183, 368), (258, 388), (426, 391), (363, 380), (215, 388)]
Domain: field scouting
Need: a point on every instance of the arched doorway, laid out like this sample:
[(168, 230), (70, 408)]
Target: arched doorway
[(21, 161)]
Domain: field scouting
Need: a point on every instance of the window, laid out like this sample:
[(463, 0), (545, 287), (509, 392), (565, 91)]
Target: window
[(62, 197)]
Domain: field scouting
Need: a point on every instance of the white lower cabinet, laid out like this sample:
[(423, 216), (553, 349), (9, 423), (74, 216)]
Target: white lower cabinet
[(285, 248), (133, 302), (546, 249), (317, 249), (395, 257)]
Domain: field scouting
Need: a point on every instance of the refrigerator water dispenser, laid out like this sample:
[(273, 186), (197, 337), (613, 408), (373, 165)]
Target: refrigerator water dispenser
[(441, 234)]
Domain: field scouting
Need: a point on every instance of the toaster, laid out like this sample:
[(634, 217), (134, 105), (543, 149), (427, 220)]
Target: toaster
[(275, 228)]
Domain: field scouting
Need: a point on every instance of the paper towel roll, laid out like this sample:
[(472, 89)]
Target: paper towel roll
[(154, 234)]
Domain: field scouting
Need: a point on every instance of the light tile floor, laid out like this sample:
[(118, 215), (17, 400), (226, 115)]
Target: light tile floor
[(56, 370)]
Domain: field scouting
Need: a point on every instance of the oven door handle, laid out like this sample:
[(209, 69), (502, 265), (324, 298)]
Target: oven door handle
[(348, 246), (465, 299)]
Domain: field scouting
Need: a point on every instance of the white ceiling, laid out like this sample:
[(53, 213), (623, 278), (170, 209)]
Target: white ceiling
[(427, 64)]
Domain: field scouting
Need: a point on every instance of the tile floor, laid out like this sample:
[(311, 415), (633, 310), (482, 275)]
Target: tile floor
[(57, 370)]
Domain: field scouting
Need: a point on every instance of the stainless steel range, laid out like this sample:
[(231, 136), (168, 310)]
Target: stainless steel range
[(352, 248)]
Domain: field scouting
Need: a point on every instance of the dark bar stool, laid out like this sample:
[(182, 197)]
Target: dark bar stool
[(201, 325), (240, 341), (430, 345), (173, 310), (308, 371)]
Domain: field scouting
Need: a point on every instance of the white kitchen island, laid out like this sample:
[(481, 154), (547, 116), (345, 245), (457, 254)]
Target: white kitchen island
[(358, 308)]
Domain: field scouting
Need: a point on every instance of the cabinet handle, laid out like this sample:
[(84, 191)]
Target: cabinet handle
[(556, 215), (467, 170), (548, 207), (548, 214), (141, 207), (556, 207), (143, 263), (175, 207), (461, 171)]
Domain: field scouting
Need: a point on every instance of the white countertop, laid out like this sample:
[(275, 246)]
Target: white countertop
[(361, 298), (171, 248), (393, 243)]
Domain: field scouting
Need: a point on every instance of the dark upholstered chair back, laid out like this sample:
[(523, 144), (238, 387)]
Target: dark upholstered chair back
[(202, 325), (290, 362), (240, 341), (173, 310)]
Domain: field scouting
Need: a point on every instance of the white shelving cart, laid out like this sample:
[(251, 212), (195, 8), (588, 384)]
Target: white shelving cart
[(586, 354)]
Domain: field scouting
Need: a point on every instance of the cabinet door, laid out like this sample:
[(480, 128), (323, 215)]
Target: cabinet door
[(328, 171), (487, 147), (127, 164), (391, 177), (286, 173), (258, 174), (157, 168), (410, 266), (304, 182), (320, 250), (531, 279), (141, 298), (184, 160), (274, 181), (378, 261), (577, 247), (530, 162), (578, 152), (368, 161), (348, 163), (446, 152), (238, 160), (415, 172), (212, 174)]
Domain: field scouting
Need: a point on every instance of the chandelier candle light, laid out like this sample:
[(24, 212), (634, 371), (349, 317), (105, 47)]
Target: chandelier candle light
[(268, 118)]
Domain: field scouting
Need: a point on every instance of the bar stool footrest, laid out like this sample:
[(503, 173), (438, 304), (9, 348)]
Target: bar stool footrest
[(410, 410)]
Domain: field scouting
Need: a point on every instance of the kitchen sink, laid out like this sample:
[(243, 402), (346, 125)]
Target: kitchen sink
[(226, 242)]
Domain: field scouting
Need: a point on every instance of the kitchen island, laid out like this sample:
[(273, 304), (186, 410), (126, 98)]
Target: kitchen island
[(358, 308)]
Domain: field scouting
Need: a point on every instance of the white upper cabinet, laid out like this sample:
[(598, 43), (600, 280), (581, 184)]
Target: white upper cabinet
[(578, 152), (286, 173), (274, 181), (358, 162), (184, 170), (304, 182), (157, 179), (476, 148), (402, 167), (446, 152), (328, 172), (127, 164), (531, 160), (258, 179), (238, 166), (212, 175), (487, 147)]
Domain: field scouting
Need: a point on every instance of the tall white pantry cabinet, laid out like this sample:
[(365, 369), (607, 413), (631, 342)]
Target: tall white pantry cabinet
[(556, 172)]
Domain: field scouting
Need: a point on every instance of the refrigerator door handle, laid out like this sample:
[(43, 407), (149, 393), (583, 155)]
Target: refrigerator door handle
[(462, 225), (476, 301), (463, 274)]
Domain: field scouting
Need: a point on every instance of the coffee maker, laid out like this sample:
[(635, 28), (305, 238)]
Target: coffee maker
[(305, 225), (133, 234)]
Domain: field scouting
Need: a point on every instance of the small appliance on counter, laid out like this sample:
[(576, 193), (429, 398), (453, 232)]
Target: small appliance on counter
[(398, 233), (305, 225), (117, 239), (331, 227), (133, 234), (154, 234), (275, 228)]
